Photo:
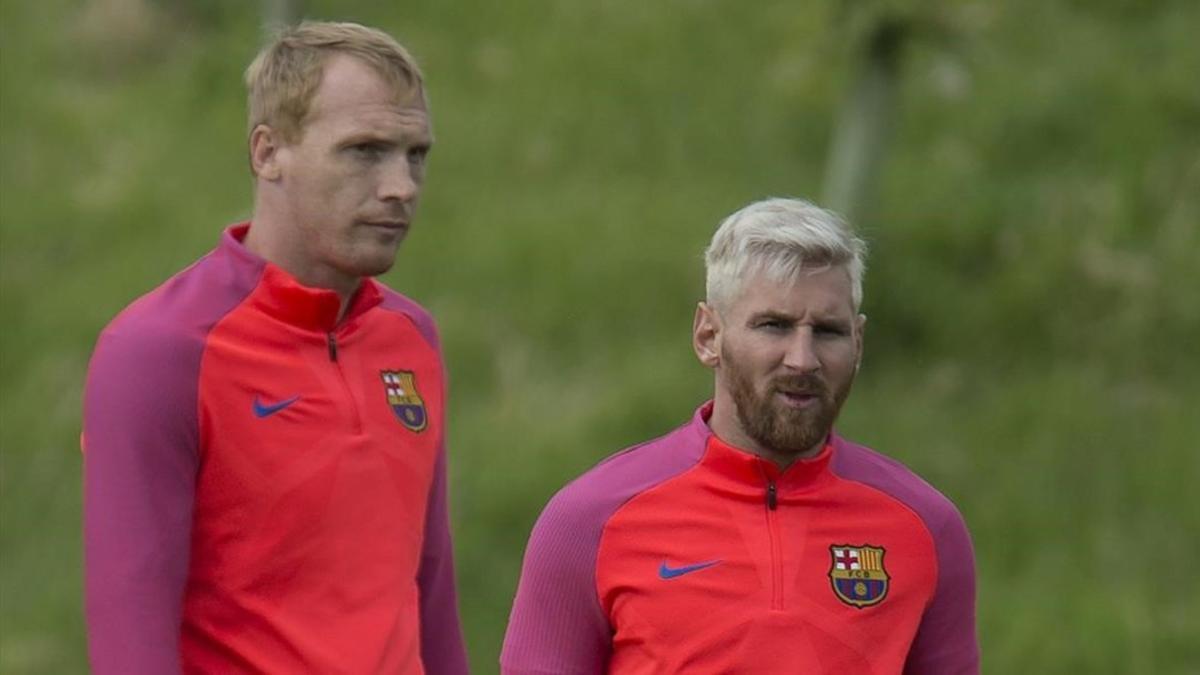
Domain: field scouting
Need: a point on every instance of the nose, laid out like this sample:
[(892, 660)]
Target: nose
[(397, 182), (801, 354)]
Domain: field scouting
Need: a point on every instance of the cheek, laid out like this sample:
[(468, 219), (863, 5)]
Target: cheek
[(748, 363), (312, 190), (839, 359), (326, 173), (338, 182)]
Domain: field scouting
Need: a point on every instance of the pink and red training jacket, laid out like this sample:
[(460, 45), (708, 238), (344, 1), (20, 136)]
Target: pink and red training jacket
[(265, 486), (687, 555)]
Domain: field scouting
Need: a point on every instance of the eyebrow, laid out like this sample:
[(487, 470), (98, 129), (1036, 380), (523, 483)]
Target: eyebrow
[(772, 314), (384, 138), (819, 319)]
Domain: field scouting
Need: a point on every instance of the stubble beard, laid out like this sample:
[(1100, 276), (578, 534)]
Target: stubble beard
[(782, 430), (363, 253)]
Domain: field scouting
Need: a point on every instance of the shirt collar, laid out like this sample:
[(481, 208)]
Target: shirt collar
[(748, 469), (280, 295)]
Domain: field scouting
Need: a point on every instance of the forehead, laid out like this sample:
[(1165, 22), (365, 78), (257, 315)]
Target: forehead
[(353, 94), (826, 292)]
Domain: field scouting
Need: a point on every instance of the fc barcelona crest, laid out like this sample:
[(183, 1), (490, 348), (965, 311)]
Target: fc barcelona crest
[(857, 574), (405, 400)]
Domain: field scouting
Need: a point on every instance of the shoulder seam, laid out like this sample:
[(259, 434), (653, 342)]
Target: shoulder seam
[(931, 529), (649, 488), (398, 303), (204, 347), (926, 526)]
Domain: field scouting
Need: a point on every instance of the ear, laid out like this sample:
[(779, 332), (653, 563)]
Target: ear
[(265, 144), (706, 335), (860, 326)]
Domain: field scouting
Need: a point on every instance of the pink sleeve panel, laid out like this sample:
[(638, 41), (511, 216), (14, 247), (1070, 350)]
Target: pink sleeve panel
[(442, 649), (141, 456), (557, 625), (946, 642)]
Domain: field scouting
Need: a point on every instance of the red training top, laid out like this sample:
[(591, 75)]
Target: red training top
[(265, 486), (687, 555)]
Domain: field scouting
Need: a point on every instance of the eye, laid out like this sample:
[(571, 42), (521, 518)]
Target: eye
[(370, 151), (773, 325), (830, 330), (417, 154)]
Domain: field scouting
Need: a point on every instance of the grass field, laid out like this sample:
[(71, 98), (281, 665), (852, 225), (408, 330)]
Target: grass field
[(1032, 344)]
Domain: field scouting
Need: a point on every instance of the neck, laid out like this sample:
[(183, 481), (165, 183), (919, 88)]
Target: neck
[(266, 240)]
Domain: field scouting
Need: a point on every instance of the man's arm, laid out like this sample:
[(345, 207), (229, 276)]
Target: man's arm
[(140, 445), (557, 626), (946, 642), (442, 651)]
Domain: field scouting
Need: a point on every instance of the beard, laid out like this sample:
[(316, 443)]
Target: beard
[(775, 426)]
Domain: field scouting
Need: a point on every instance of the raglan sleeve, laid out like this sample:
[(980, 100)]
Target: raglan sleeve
[(557, 625), (140, 457), (946, 642), (442, 650)]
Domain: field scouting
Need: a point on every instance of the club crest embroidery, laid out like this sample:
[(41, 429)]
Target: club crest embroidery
[(405, 400), (857, 574)]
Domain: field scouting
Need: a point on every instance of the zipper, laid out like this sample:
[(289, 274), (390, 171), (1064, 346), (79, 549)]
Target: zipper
[(772, 504), (331, 342)]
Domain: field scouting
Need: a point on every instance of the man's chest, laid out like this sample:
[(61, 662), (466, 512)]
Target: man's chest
[(729, 585), (319, 421)]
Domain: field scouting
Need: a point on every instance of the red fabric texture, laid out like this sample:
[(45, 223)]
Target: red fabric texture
[(768, 605), (298, 543)]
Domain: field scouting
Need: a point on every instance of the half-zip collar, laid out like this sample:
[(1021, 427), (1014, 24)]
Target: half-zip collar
[(281, 296), (744, 472)]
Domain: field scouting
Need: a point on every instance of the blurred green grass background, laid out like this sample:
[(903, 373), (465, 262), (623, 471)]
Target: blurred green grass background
[(1032, 343)]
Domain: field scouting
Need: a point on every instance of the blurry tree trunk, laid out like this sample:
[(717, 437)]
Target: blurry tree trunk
[(279, 14), (864, 122)]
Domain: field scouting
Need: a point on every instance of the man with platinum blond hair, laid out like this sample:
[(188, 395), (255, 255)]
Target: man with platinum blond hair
[(754, 538), (264, 433)]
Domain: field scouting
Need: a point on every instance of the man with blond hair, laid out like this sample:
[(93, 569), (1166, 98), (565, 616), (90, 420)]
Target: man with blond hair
[(754, 539), (264, 460)]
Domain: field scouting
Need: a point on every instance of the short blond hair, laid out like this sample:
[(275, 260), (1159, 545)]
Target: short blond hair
[(781, 238), (284, 77)]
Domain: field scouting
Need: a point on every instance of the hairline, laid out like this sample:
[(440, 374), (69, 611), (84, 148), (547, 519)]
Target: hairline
[(397, 90), (757, 270), (781, 238), (397, 67)]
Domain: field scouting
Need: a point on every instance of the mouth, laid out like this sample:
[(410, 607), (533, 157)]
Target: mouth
[(387, 230), (388, 225), (799, 399)]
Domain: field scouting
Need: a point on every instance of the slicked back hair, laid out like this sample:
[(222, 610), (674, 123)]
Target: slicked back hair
[(780, 238)]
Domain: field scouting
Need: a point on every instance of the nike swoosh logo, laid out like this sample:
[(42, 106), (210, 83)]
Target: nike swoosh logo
[(665, 571), (261, 410)]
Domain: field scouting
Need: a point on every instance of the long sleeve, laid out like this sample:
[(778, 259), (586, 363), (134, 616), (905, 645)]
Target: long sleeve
[(442, 650), (946, 642), (557, 626), (140, 462)]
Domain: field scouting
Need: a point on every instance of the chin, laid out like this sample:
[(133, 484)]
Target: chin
[(372, 262), (376, 269)]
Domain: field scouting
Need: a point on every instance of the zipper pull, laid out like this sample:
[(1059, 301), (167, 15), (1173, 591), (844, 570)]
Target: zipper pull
[(329, 339), (772, 500)]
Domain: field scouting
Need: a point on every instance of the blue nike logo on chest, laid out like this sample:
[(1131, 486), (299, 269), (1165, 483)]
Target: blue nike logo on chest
[(665, 571), (265, 410)]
